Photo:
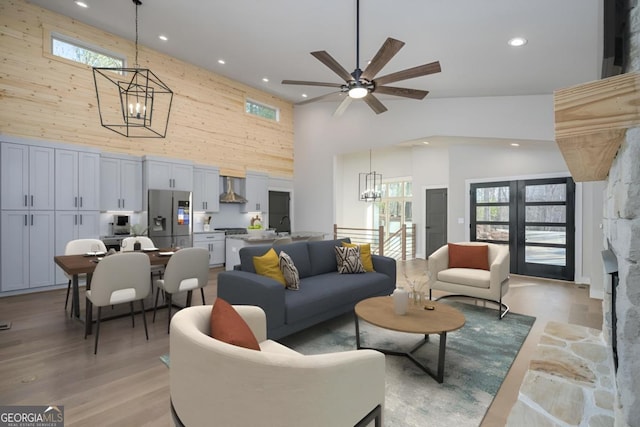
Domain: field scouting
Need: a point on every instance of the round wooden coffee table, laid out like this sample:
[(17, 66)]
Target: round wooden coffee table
[(418, 320)]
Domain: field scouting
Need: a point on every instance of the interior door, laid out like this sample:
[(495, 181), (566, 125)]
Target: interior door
[(435, 219), (279, 214)]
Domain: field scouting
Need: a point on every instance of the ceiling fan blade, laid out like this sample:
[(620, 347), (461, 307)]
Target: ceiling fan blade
[(343, 106), (374, 103), (328, 60), (304, 83), (409, 73), (330, 95), (401, 91), (387, 51)]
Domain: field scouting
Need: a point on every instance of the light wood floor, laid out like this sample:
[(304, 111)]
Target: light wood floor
[(45, 360)]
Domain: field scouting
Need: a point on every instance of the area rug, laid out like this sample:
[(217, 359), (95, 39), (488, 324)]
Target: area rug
[(478, 357)]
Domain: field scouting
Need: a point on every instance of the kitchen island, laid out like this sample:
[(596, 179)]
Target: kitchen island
[(236, 241)]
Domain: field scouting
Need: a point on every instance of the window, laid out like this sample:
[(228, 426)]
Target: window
[(395, 207), (261, 110), (75, 50)]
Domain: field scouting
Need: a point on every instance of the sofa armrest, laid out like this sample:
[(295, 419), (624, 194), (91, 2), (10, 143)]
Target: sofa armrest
[(255, 318), (438, 261), (384, 265), (499, 268), (243, 288)]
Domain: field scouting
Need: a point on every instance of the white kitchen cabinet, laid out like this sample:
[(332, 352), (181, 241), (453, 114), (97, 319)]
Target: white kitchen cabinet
[(27, 249), (120, 183), (72, 225), (27, 177), (213, 242), (256, 192), (206, 189), (167, 175), (77, 180)]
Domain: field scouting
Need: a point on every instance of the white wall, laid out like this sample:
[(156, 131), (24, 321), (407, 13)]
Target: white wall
[(319, 137), (330, 151)]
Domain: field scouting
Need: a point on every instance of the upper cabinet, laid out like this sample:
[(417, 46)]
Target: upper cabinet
[(256, 192), (77, 180), (206, 191), (27, 177), (165, 174), (120, 183)]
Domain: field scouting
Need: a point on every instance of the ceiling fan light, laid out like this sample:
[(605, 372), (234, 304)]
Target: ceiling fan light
[(358, 92)]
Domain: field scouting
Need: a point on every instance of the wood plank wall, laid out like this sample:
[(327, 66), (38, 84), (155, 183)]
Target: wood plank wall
[(48, 98)]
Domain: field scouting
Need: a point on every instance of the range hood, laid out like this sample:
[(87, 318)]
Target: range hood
[(231, 196)]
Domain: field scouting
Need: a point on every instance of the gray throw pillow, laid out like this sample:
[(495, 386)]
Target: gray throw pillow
[(348, 259), (289, 271)]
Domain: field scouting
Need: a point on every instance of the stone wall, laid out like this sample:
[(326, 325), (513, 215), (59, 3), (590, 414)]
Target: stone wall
[(622, 231)]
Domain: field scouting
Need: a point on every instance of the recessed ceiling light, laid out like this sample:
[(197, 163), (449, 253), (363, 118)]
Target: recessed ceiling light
[(515, 144), (221, 61), (163, 37), (425, 142), (517, 41), (304, 95), (264, 79), (82, 4)]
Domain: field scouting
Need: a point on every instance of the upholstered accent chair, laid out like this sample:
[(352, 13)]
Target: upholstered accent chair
[(461, 270), (215, 383)]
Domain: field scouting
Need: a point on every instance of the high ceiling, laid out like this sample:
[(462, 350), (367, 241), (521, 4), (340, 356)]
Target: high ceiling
[(273, 39)]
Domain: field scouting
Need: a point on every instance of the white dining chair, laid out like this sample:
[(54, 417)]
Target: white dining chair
[(127, 245), (188, 269), (118, 279), (129, 242), (80, 247)]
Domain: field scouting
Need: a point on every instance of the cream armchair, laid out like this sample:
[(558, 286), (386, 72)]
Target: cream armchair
[(215, 383), (485, 285)]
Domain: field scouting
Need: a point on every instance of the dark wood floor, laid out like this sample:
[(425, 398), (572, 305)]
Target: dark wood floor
[(45, 360)]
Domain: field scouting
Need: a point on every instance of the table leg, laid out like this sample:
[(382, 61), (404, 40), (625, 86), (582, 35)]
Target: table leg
[(75, 297), (357, 332), (438, 375)]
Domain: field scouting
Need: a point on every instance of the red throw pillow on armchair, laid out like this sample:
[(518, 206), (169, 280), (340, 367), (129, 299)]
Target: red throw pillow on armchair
[(469, 256), (228, 326)]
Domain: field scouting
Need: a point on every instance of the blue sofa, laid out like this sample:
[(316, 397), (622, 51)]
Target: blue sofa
[(323, 293)]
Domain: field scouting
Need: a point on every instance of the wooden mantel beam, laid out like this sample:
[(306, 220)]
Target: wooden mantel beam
[(591, 120)]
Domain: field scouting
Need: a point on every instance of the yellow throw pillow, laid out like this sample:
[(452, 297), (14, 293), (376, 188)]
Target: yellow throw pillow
[(365, 255), (269, 265)]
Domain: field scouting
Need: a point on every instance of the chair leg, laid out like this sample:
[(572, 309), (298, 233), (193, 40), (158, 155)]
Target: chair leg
[(155, 305), (95, 348), (168, 311), (133, 319), (202, 293), (88, 315), (144, 319)]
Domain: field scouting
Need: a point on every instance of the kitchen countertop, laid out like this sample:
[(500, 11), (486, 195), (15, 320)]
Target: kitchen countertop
[(295, 236)]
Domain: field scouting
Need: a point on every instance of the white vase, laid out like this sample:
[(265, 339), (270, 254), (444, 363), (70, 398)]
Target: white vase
[(400, 301)]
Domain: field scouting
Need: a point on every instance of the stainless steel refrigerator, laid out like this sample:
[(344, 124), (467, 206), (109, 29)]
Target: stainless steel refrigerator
[(170, 218)]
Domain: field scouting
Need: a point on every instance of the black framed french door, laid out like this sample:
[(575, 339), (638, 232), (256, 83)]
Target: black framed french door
[(536, 218)]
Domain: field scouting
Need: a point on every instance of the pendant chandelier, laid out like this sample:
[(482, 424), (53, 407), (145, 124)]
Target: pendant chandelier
[(370, 184), (133, 102)]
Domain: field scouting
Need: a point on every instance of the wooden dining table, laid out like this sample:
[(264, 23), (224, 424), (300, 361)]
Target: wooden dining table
[(75, 265)]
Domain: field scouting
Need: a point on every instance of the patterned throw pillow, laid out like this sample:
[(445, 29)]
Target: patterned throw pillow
[(348, 260), (289, 271)]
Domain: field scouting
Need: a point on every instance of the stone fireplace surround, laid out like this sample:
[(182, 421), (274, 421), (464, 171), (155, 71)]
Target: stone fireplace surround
[(621, 226)]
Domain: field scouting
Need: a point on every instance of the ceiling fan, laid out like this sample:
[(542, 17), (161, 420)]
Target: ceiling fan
[(362, 84)]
